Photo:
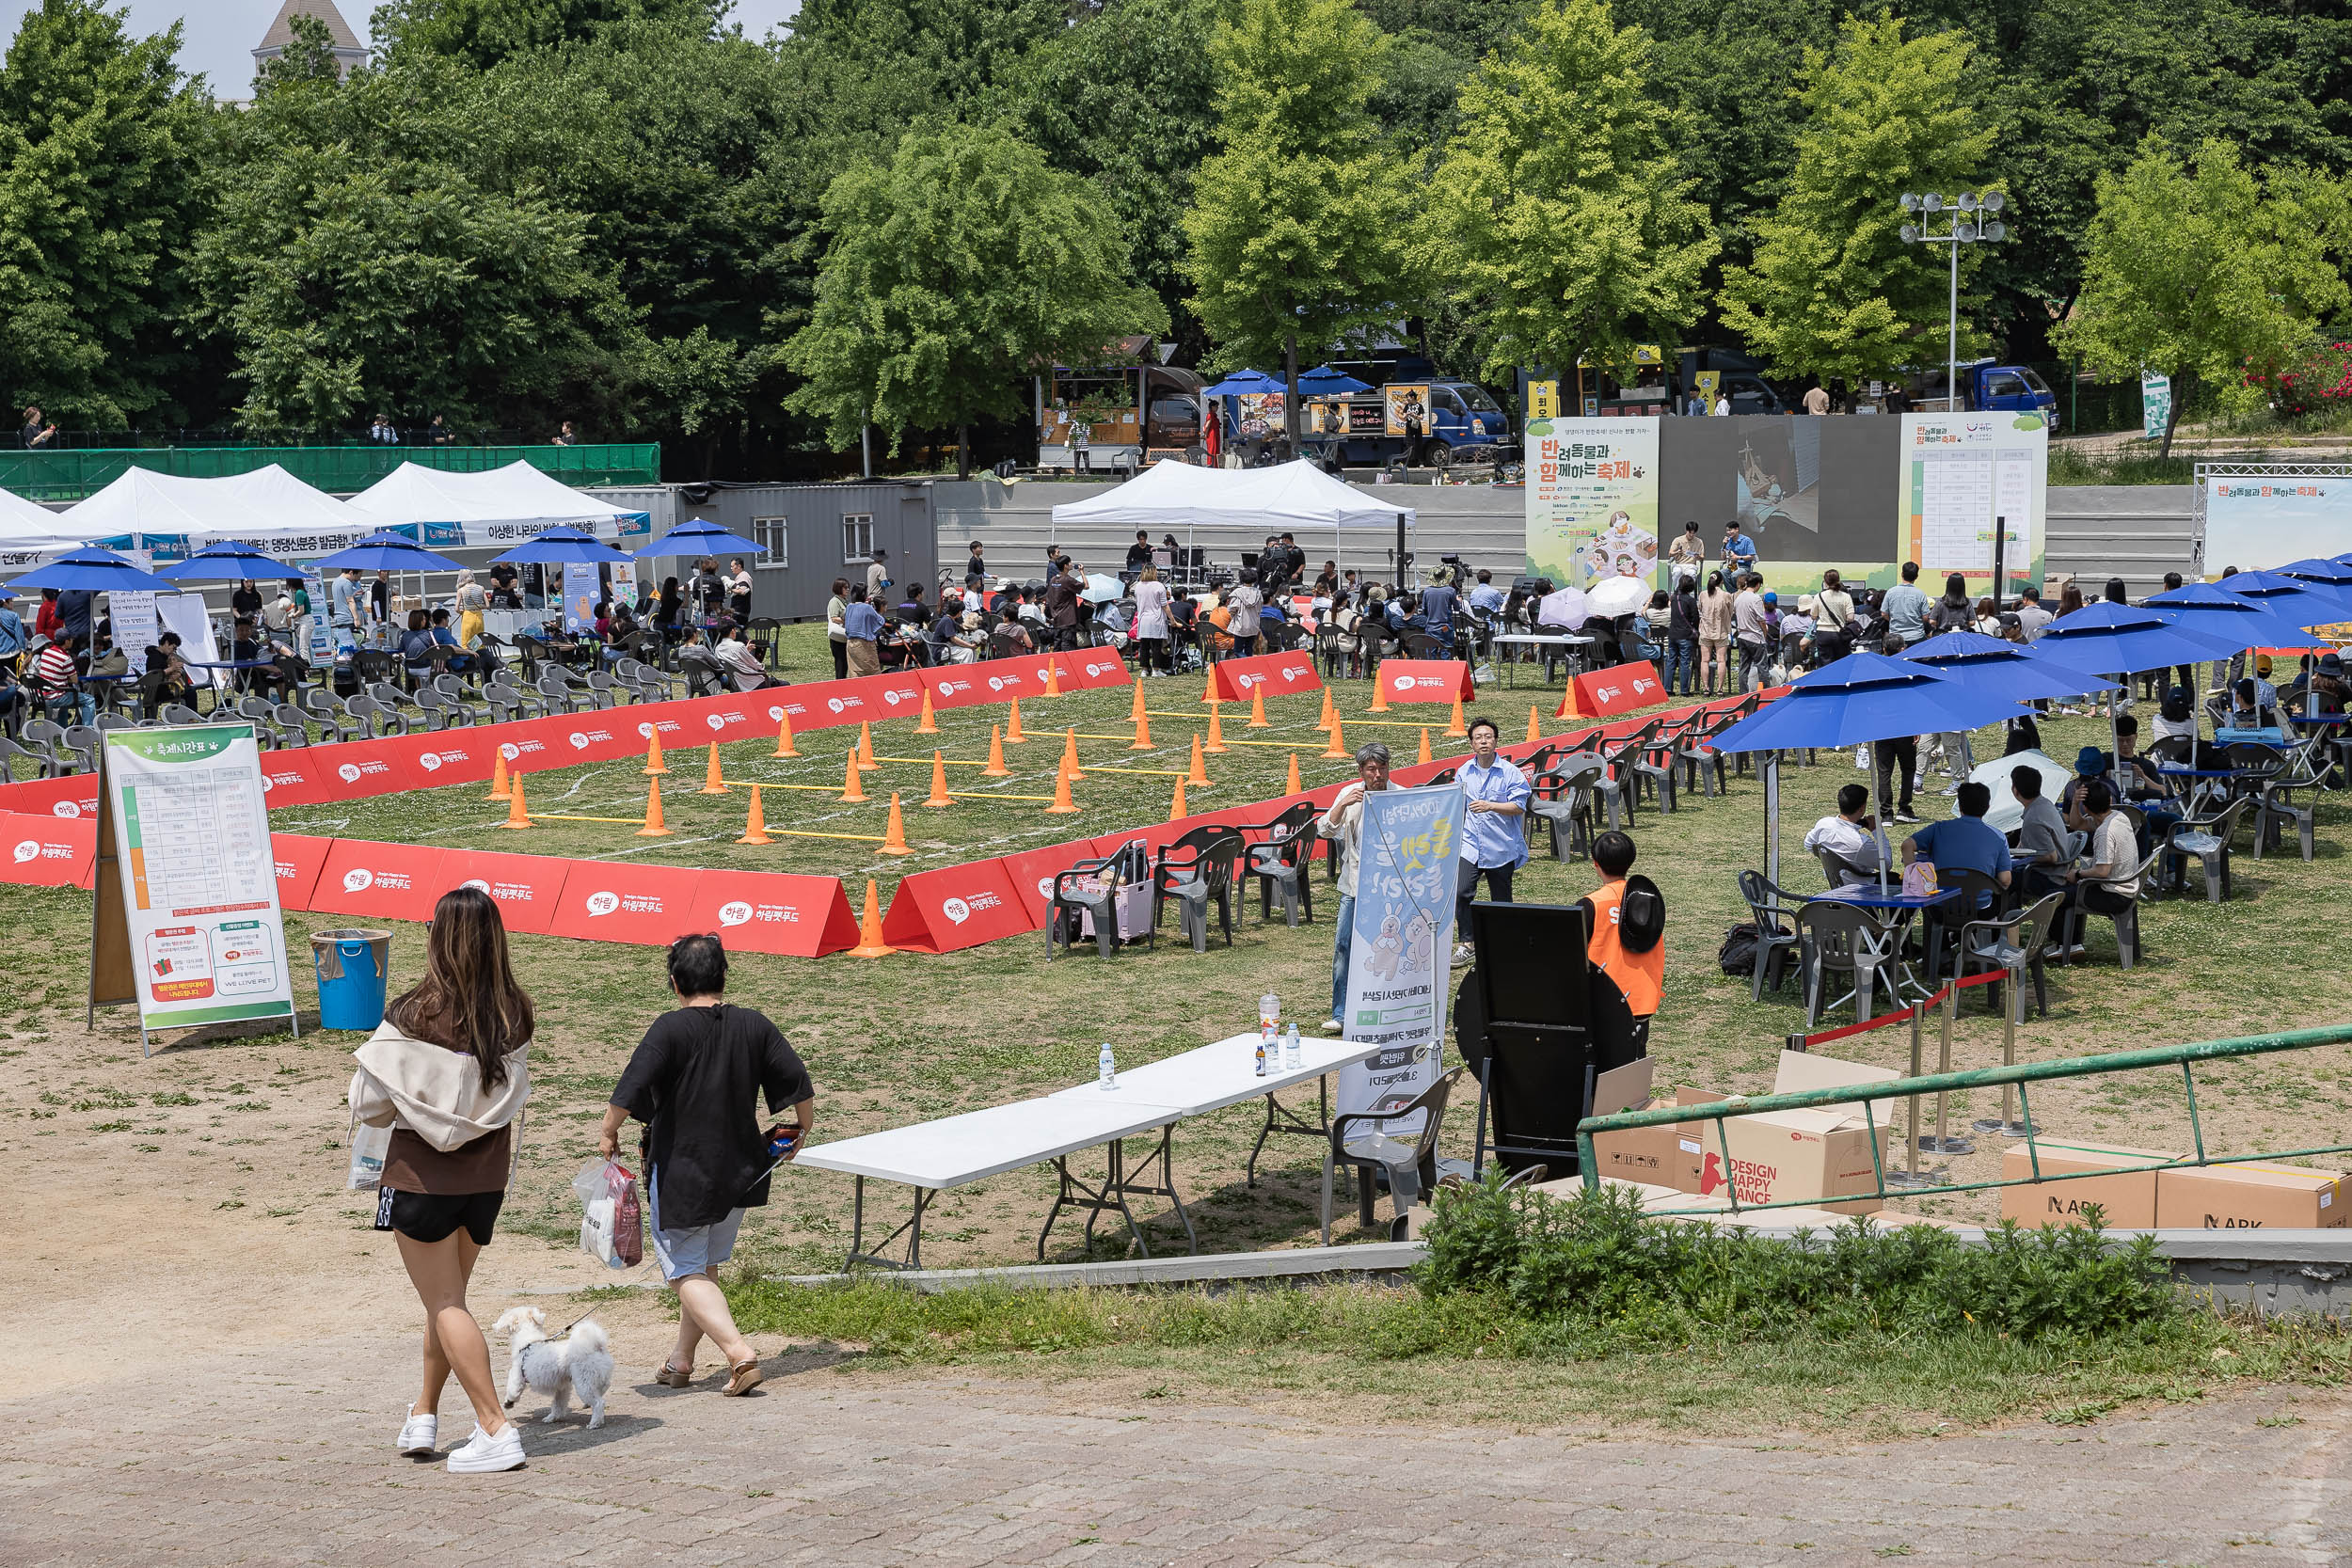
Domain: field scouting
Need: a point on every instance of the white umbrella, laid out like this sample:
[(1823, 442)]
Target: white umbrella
[(1614, 597), (1103, 590), (1567, 608), (2008, 812)]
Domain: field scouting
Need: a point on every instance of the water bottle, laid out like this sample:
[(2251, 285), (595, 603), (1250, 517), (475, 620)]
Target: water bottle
[(1269, 1008), (1264, 1036), (1105, 1068), (1290, 1049)]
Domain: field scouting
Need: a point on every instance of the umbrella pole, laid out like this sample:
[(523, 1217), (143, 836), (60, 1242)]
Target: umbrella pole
[(1772, 819)]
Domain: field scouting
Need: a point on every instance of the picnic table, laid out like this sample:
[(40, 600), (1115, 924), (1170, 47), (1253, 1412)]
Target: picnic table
[(954, 1151)]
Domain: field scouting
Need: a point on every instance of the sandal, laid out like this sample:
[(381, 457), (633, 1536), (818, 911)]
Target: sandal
[(743, 1377), (671, 1377)]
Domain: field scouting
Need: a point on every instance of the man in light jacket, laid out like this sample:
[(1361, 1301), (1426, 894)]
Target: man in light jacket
[(1343, 825)]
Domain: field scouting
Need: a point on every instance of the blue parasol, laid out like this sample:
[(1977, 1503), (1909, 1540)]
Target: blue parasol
[(563, 543), (2011, 670), (2118, 639), (227, 561), (92, 570), (1324, 382), (697, 537), (2308, 600), (1243, 382), (386, 552), (2221, 609)]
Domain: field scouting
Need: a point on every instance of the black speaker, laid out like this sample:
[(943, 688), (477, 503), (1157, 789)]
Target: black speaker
[(1528, 1001)]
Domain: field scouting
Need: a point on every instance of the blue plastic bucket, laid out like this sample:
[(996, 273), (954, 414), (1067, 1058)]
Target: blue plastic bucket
[(352, 968)]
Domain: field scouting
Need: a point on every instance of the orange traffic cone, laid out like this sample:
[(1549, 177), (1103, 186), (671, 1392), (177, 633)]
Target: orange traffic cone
[(852, 792), (1216, 746), (869, 937), (865, 746), (1425, 754), (654, 767), (1454, 728), (1535, 725), (1134, 710), (518, 814), (1290, 778), (1013, 725), (1052, 679), (894, 836), (1380, 694), (939, 783), (995, 769), (714, 781), (1070, 755), (1257, 707), (1176, 811), (930, 721), (653, 828), (1322, 721), (1208, 692), (756, 825), (783, 738), (1339, 743), (498, 777), (1143, 734), (1063, 805), (1198, 777), (1569, 708)]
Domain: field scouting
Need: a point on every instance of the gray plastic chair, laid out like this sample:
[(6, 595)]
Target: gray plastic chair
[(1361, 1142), (1773, 909), (1563, 799), (81, 741), (2208, 840), (2014, 943), (45, 738), (2275, 807), (1840, 939)]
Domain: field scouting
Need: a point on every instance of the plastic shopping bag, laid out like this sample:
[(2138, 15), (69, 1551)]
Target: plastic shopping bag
[(369, 1147), (613, 1223)]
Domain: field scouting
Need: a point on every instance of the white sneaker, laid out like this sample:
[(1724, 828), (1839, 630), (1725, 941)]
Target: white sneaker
[(420, 1436), (482, 1453), (1463, 953), (1332, 1026)]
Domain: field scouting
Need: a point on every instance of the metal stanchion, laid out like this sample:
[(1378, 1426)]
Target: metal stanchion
[(1911, 1176), (1943, 1141), (2006, 1125)]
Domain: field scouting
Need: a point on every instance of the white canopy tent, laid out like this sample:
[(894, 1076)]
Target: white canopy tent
[(30, 533), (1289, 497), (494, 506), (173, 515)]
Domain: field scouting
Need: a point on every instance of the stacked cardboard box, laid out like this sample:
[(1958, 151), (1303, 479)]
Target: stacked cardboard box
[(2147, 1188)]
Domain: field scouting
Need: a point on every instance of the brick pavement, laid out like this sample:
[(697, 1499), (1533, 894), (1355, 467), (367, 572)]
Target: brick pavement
[(282, 1457)]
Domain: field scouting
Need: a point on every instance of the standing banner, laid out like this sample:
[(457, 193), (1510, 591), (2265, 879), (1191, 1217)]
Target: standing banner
[(2155, 405), (189, 926), (581, 588), (1401, 948), (185, 614), (1604, 692), (1591, 499), (1238, 679), (1960, 473)]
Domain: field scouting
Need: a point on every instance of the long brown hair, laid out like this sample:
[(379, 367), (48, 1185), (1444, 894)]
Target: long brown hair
[(468, 1000)]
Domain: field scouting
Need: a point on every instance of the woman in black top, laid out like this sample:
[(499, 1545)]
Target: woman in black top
[(246, 603), (673, 604)]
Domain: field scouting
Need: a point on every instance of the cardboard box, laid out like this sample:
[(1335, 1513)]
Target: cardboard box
[(2127, 1198), (1668, 1154), (2247, 1196), (1819, 1154)]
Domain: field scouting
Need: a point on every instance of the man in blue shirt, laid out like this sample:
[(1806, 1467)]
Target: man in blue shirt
[(862, 630), (1738, 549), (1906, 607), (1964, 843), (1494, 840), (1486, 596), (11, 632)]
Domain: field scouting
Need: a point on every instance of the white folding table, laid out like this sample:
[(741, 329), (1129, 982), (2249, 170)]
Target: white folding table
[(955, 1152), (1503, 641)]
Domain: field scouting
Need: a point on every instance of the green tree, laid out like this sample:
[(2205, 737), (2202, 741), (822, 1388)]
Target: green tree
[(483, 32), (102, 150), (953, 275), (1833, 290), (1301, 227), (1559, 215), (2195, 270)]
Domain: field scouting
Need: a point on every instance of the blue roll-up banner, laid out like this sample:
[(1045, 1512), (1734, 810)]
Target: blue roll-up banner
[(1401, 948)]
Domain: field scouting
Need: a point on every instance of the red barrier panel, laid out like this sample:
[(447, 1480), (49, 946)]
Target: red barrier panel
[(300, 858), (1618, 688), (771, 911), (76, 795), (1237, 679), (361, 769), (377, 881), (289, 778), (525, 887), (1086, 669), (446, 756), (852, 702), (48, 851), (1030, 874), (735, 716), (1426, 680), (611, 736), (939, 911), (617, 901)]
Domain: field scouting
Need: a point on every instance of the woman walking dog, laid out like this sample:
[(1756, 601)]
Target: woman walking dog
[(447, 1072)]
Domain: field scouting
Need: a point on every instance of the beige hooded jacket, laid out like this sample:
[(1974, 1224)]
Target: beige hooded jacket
[(432, 1091)]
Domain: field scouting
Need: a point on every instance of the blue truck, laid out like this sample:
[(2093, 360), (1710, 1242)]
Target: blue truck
[(1985, 387)]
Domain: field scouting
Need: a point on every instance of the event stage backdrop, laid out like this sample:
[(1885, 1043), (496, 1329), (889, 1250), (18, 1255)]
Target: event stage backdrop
[(1605, 496)]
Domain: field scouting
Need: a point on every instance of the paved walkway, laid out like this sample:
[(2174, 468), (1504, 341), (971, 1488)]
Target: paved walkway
[(284, 1457)]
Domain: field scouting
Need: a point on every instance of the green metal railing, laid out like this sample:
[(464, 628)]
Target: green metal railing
[(1918, 1088), (78, 472)]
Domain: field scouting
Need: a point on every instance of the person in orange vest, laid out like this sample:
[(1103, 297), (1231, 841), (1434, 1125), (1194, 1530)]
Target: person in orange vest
[(1629, 923)]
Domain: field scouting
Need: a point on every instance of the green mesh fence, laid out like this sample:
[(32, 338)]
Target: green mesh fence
[(71, 475)]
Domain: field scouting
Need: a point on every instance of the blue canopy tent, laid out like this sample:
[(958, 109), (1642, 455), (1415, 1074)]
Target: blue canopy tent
[(229, 561), (1851, 702), (92, 570), (698, 536)]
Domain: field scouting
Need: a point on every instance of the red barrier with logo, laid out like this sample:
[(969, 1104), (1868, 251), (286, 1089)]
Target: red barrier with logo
[(1238, 679), (1088, 669), (377, 881), (1426, 680), (772, 911), (300, 858), (1619, 688), (940, 912), (289, 778), (1030, 875), (48, 851), (610, 735), (616, 901), (526, 887), (975, 685), (739, 716), (869, 697), (446, 756), (361, 769), (76, 795)]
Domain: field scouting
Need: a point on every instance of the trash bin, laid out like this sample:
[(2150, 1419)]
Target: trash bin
[(352, 966)]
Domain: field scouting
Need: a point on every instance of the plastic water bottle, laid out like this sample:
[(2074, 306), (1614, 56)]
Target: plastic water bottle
[(1290, 1049), (1265, 1037), (1269, 1008), (1105, 1068)]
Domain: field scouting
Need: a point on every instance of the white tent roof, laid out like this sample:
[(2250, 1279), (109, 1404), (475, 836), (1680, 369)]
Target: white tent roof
[(267, 505), (494, 506), (30, 533), (1291, 495)]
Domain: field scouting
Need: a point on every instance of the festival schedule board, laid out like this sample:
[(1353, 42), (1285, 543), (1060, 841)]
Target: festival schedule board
[(1591, 499), (187, 923), (1965, 477)]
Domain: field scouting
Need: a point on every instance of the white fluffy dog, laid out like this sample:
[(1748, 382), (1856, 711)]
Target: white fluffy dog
[(580, 1364)]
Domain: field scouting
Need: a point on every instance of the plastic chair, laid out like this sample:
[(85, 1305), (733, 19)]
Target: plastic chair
[(1774, 911), (370, 713), (1410, 1162), (1563, 796), (1979, 896), (1083, 889), (81, 741), (179, 717), (43, 738), (1840, 938), (1194, 875), (2126, 920), (2014, 943), (2275, 807), (2208, 839), (1278, 863), (286, 720)]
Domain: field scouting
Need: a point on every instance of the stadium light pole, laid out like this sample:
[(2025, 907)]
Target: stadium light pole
[(1972, 221)]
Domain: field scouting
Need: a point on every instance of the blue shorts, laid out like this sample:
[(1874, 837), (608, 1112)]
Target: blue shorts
[(694, 1248)]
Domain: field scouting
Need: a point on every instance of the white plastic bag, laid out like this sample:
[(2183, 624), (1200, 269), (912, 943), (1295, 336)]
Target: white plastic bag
[(369, 1147), (612, 1224)]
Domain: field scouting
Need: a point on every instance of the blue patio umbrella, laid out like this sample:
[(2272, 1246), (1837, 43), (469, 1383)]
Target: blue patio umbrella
[(1324, 382), (1242, 382), (2315, 572), (386, 553), (563, 543), (228, 561), (2306, 600), (92, 570), (2119, 638), (697, 537), (2220, 609), (2011, 669)]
